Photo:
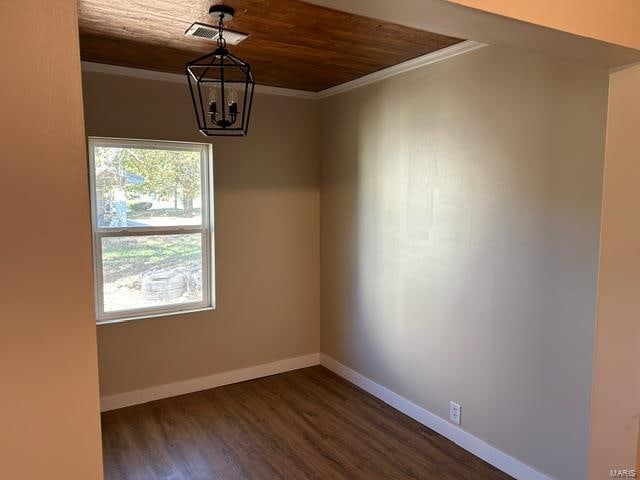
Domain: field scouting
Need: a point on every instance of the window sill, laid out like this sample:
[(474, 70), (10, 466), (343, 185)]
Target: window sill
[(152, 315)]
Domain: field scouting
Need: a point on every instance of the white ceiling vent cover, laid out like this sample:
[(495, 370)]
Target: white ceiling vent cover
[(202, 30)]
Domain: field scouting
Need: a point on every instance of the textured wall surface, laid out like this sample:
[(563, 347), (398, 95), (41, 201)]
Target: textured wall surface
[(616, 382), (267, 238), (460, 215), (49, 405)]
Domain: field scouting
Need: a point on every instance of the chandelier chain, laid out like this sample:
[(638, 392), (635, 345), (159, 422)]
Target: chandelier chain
[(222, 43)]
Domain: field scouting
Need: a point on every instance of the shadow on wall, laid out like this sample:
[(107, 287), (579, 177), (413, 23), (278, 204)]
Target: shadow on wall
[(460, 246)]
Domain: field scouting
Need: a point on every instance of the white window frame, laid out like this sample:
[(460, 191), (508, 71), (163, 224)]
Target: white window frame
[(206, 230)]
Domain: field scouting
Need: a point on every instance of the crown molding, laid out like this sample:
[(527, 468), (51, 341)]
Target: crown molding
[(623, 67), (428, 59), (177, 78), (433, 57)]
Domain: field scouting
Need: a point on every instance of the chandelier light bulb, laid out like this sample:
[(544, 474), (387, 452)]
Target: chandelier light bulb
[(213, 98), (232, 100)]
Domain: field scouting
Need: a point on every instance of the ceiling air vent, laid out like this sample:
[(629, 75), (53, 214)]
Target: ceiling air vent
[(202, 30)]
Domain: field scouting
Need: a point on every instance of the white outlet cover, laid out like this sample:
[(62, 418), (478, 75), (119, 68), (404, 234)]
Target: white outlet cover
[(455, 412)]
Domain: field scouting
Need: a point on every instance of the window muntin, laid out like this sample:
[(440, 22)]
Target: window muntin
[(151, 216)]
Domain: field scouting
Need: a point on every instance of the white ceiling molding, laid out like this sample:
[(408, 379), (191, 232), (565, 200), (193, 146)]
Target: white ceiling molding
[(428, 59), (182, 79)]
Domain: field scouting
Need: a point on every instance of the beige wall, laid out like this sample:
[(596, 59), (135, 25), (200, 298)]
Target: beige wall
[(267, 238), (460, 217), (613, 21), (49, 410), (616, 381)]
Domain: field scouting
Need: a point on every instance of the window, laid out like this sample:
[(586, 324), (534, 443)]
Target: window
[(151, 215)]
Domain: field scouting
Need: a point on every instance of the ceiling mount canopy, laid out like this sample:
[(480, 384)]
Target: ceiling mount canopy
[(221, 85), (223, 12)]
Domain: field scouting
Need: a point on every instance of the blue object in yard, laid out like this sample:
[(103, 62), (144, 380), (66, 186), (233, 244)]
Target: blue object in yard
[(133, 178), (118, 209), (121, 213)]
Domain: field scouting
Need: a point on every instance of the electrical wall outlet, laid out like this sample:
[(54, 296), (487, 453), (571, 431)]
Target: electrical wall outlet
[(455, 412)]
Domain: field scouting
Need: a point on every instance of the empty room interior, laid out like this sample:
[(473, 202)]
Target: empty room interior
[(327, 239)]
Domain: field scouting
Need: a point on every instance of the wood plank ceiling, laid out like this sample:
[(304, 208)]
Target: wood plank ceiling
[(291, 44)]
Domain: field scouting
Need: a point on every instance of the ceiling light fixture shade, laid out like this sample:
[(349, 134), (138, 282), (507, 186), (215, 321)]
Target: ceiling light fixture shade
[(221, 86)]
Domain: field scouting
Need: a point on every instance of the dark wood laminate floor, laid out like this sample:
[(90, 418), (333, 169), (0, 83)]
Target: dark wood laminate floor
[(305, 424)]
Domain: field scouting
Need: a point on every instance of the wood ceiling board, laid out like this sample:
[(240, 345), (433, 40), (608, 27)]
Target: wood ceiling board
[(291, 44), (449, 18)]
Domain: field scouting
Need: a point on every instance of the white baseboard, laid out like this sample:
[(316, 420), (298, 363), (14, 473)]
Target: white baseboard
[(120, 400), (469, 442)]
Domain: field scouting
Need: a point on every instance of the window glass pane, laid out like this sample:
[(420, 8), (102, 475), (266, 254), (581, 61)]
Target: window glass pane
[(151, 271), (147, 187)]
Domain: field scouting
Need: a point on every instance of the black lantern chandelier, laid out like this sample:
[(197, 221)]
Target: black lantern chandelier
[(221, 86)]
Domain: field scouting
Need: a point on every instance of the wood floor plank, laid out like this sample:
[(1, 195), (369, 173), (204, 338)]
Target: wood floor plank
[(306, 424)]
